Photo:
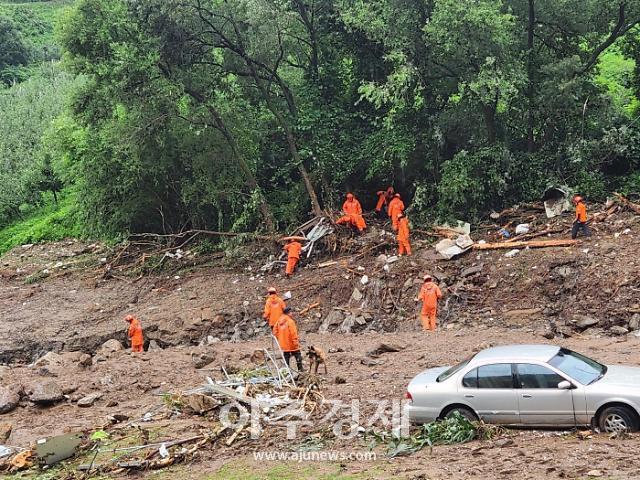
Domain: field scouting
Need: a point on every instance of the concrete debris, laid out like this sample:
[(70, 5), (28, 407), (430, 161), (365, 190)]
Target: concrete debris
[(522, 228), (55, 449), (9, 399), (5, 431), (368, 362), (154, 347), (392, 259), (556, 201), (449, 249), (46, 393), (634, 323), (333, 319), (512, 253), (357, 295), (364, 280), (467, 272)]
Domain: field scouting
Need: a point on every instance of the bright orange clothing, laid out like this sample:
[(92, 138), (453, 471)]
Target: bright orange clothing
[(293, 249), (135, 335), (291, 265), (404, 246), (273, 308), (286, 332), (352, 214), (382, 199), (429, 294), (396, 207), (581, 212)]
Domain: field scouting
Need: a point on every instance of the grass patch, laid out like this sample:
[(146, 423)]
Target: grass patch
[(49, 223)]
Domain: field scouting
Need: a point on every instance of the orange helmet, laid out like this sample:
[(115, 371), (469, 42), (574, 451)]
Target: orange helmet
[(397, 195), (129, 318), (272, 290), (427, 278)]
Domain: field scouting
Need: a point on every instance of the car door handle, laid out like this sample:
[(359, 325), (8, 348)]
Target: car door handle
[(526, 395), (468, 395)]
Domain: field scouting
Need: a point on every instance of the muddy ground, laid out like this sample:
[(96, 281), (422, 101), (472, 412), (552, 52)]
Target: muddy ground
[(198, 311)]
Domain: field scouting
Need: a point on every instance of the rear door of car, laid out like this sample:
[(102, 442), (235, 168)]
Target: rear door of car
[(540, 401), (489, 389)]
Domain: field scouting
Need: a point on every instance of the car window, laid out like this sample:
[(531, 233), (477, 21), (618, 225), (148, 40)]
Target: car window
[(495, 376), (583, 369), (537, 376), (470, 380), (447, 373)]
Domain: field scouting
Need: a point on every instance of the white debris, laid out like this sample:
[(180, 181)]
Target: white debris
[(164, 453), (512, 253), (364, 280), (522, 228)]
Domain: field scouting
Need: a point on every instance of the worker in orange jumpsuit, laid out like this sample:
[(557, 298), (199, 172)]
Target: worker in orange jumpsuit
[(293, 249), (384, 197), (135, 333), (273, 307), (352, 213), (286, 332), (404, 247), (580, 222), (396, 207), (429, 295)]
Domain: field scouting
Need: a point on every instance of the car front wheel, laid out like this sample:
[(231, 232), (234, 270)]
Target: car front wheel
[(617, 419)]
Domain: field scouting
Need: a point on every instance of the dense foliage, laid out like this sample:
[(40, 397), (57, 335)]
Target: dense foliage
[(249, 114)]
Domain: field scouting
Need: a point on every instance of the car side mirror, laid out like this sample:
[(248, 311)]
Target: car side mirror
[(565, 385)]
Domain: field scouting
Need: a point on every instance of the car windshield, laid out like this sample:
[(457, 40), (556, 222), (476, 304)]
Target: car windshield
[(580, 368), (450, 371)]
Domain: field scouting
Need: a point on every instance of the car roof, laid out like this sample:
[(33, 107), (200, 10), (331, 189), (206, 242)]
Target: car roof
[(514, 353)]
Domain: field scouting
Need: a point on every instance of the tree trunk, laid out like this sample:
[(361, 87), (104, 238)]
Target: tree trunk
[(489, 112), (530, 81)]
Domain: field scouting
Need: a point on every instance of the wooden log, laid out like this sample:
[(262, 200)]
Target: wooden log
[(530, 244), (627, 203), (313, 305)]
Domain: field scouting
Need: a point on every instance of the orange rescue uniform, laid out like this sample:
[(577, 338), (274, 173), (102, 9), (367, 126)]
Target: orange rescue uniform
[(396, 207), (352, 214), (429, 294), (581, 212), (273, 308), (135, 335), (293, 250), (384, 197), (286, 332), (404, 247)]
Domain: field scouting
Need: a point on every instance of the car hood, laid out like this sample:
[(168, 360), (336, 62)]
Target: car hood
[(620, 375)]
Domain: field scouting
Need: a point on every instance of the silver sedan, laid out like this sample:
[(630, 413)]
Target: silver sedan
[(530, 385)]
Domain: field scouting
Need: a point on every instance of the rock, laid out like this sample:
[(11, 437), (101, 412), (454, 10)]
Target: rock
[(46, 392), (334, 318), (347, 324), (392, 259), (50, 358), (69, 390), (583, 322), (5, 431), (4, 372), (618, 330), (339, 381), (9, 399), (110, 347), (84, 360), (548, 334), (154, 347), (384, 348), (467, 272), (89, 400), (357, 296), (381, 259), (483, 346), (202, 359), (634, 323), (98, 359), (370, 363), (112, 403), (594, 473), (503, 442), (361, 320)]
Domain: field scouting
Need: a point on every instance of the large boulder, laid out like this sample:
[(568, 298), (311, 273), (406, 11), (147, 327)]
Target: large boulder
[(45, 393), (634, 323), (110, 347), (583, 322), (9, 399)]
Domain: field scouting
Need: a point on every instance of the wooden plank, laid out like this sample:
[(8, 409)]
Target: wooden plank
[(627, 203), (530, 244)]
